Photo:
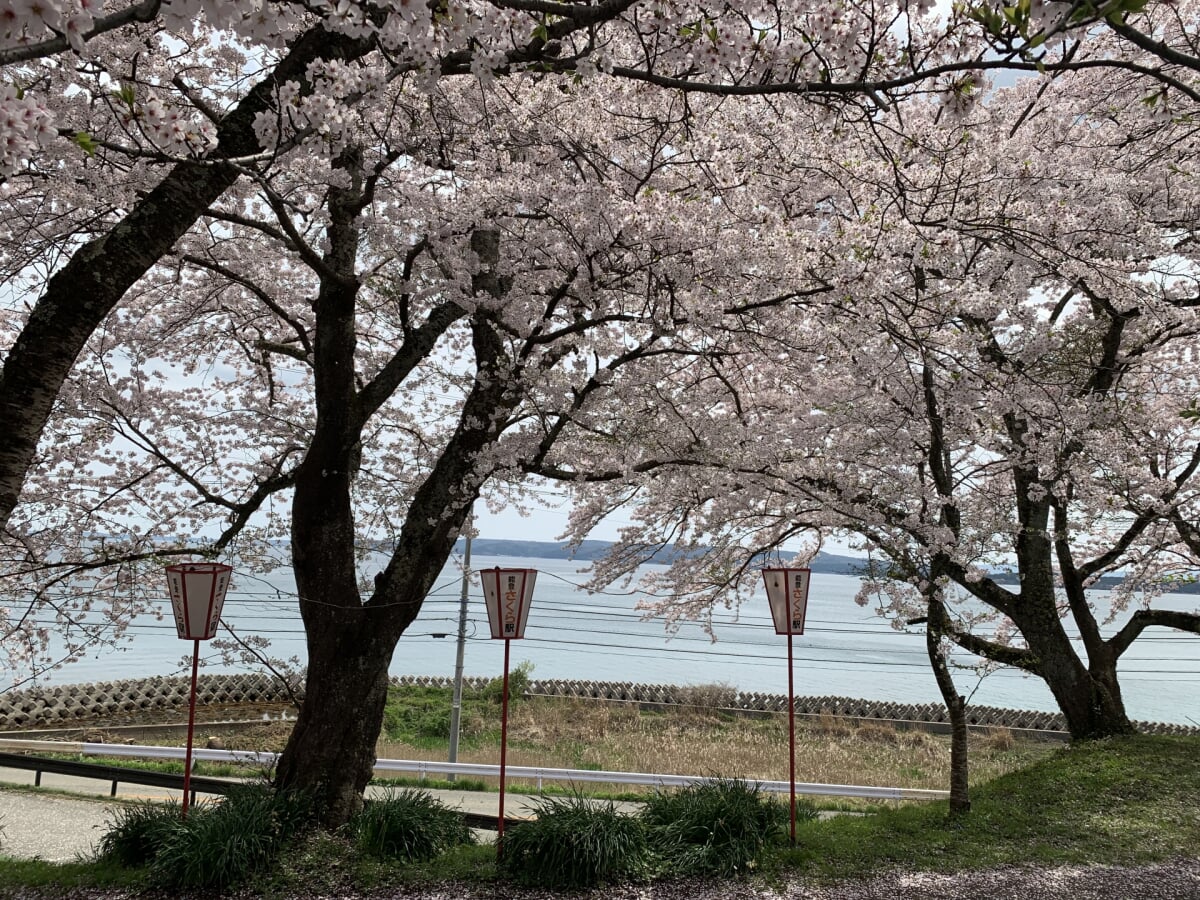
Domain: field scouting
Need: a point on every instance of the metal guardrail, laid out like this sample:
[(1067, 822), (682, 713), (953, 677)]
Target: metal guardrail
[(423, 768), (199, 783), (114, 774)]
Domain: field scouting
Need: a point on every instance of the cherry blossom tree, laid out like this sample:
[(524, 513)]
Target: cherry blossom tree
[(411, 249), (179, 70), (1005, 377), (119, 127), (402, 324), (145, 153)]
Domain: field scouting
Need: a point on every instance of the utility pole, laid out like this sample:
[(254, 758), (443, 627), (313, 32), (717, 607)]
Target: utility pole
[(456, 703)]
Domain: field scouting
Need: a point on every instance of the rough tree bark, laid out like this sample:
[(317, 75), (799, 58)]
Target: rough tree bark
[(956, 706), (331, 751)]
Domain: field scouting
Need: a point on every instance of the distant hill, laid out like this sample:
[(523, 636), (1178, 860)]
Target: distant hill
[(825, 563), (828, 563)]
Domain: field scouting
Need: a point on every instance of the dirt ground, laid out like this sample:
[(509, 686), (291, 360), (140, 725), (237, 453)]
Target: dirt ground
[(1166, 881)]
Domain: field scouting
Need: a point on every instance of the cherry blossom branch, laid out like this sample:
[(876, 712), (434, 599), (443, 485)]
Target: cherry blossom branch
[(224, 215), (1017, 657), (1157, 48), (418, 344), (296, 241), (885, 85), (266, 662), (146, 11), (83, 291), (259, 292)]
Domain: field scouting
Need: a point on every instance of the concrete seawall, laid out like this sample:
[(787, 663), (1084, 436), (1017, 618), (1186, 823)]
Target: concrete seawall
[(64, 706)]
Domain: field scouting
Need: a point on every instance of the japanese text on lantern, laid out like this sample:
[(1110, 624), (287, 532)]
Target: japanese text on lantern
[(798, 597), (511, 596)]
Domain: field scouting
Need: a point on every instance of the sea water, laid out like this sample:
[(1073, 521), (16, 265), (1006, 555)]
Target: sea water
[(847, 650)]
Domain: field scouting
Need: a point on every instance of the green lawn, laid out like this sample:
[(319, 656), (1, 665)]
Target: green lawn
[(1118, 801), (1122, 800)]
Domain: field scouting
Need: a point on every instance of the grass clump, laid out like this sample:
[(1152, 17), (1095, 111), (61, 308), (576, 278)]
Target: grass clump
[(217, 846), (136, 832), (716, 827), (20, 877), (575, 842), (419, 715), (223, 844), (409, 825)]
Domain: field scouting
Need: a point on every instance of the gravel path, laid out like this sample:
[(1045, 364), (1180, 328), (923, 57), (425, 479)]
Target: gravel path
[(1165, 881), (49, 827)]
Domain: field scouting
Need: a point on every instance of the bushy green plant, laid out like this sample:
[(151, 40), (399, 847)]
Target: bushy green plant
[(575, 842), (417, 713), (221, 844), (137, 832), (518, 684), (409, 825), (715, 827)]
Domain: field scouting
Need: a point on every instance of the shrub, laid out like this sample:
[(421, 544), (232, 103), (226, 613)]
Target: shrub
[(829, 725), (221, 844), (709, 697), (518, 684), (716, 827), (417, 713), (135, 833), (878, 733), (999, 739), (409, 825), (575, 843)]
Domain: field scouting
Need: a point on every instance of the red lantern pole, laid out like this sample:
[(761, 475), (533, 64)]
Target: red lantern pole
[(506, 593), (197, 592), (792, 736), (187, 764), (787, 596), (503, 754)]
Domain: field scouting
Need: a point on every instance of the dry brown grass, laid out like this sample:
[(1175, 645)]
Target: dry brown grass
[(999, 739), (695, 740), (589, 734)]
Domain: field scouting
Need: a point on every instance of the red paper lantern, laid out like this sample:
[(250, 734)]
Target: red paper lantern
[(787, 593), (507, 594), (197, 595)]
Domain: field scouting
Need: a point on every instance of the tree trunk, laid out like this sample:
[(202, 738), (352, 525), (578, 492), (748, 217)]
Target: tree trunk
[(956, 705), (331, 751), (1090, 700)]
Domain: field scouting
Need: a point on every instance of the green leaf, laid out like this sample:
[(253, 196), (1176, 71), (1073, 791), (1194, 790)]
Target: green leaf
[(126, 95), (85, 142)]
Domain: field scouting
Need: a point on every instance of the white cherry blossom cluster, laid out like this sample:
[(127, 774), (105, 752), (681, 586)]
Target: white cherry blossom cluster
[(25, 22), (25, 125), (172, 130), (263, 23), (326, 112)]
